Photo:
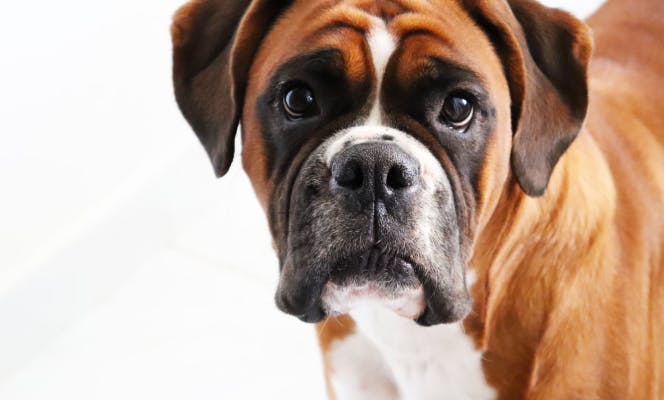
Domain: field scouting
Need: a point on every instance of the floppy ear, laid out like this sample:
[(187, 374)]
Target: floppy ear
[(545, 54), (214, 43)]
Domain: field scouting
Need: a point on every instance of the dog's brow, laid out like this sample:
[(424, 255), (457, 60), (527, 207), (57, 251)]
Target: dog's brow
[(328, 58), (447, 64)]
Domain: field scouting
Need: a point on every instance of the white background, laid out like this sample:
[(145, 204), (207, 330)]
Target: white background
[(126, 270)]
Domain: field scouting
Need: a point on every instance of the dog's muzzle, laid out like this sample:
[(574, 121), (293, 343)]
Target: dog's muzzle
[(372, 220)]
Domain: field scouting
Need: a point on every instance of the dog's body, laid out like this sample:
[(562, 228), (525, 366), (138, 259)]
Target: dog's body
[(567, 289)]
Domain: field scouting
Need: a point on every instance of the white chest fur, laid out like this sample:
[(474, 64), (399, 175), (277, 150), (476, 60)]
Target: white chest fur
[(438, 362)]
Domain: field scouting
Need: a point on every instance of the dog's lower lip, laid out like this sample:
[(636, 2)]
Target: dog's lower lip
[(374, 276), (314, 315), (375, 265)]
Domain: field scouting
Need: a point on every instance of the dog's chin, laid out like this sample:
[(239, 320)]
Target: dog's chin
[(407, 301), (371, 278), (374, 278)]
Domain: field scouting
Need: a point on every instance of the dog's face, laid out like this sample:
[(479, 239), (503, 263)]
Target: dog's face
[(378, 134)]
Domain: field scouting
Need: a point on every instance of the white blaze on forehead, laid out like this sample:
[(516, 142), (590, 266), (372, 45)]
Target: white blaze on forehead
[(382, 45)]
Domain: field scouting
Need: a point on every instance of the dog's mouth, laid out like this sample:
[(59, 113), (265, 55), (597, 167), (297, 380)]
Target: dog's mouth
[(428, 290), (374, 278), (376, 265)]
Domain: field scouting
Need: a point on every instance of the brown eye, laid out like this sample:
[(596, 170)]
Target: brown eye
[(458, 111), (299, 102)]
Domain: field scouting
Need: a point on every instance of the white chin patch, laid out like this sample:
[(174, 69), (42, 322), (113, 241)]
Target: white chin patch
[(407, 302)]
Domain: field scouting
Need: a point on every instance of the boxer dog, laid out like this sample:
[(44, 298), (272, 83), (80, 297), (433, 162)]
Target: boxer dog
[(464, 197)]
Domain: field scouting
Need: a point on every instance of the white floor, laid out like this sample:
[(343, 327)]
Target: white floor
[(126, 270)]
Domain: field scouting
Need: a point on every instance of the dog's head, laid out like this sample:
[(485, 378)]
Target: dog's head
[(379, 135)]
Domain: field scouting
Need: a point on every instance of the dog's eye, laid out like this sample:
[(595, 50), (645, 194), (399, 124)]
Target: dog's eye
[(458, 111), (299, 102)]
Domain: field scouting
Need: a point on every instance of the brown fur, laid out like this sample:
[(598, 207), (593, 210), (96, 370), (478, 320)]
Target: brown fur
[(329, 331), (570, 290), (571, 295), (569, 301)]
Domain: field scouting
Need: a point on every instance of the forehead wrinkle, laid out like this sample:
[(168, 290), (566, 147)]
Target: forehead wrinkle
[(310, 26), (383, 9), (363, 17), (350, 44), (410, 24), (341, 15)]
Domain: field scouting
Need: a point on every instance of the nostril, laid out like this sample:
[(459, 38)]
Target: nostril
[(400, 177), (349, 175)]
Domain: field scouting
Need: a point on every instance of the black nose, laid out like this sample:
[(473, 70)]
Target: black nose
[(374, 171)]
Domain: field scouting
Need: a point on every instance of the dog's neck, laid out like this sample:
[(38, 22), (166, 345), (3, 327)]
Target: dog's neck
[(534, 244)]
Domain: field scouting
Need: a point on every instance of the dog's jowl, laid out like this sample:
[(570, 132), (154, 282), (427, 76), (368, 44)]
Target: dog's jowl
[(466, 197)]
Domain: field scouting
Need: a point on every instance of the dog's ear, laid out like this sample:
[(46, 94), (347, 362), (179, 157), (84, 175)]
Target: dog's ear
[(545, 54), (214, 43)]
